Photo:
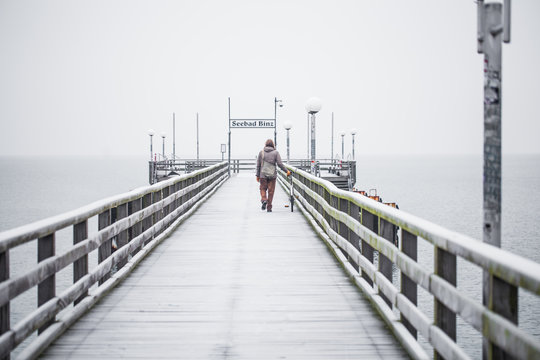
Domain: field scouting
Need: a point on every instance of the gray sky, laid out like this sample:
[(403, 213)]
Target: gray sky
[(91, 77)]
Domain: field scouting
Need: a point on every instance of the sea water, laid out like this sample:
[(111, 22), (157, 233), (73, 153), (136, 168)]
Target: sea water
[(446, 190), (33, 189)]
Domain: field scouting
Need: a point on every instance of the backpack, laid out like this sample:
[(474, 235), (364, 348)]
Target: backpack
[(268, 170)]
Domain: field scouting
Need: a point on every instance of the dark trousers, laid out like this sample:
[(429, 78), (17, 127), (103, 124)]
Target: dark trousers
[(269, 185)]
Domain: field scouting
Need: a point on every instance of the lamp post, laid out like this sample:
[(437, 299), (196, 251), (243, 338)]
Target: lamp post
[(307, 156), (353, 132), (173, 137), (313, 106), (276, 101), (163, 137), (197, 136), (288, 127), (151, 133), (342, 145), (332, 137)]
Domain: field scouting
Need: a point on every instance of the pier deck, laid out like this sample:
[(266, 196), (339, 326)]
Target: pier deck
[(234, 282)]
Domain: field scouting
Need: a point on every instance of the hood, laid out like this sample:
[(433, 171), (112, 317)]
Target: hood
[(268, 149)]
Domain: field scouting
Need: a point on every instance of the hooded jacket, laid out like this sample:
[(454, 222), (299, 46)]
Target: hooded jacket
[(271, 156)]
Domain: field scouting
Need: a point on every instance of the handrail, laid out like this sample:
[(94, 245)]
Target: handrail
[(359, 227), (159, 170), (136, 221)]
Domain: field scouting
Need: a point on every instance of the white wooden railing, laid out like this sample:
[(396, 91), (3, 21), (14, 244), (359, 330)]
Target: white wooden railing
[(360, 230), (135, 222)]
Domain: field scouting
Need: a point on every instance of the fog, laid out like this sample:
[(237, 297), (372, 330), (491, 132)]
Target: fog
[(91, 77)]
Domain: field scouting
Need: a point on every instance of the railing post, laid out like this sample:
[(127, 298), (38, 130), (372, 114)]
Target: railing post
[(46, 288), (445, 319), (370, 221), (122, 238), (183, 198), (80, 266), (133, 207), (333, 222), (409, 246), (104, 220), (158, 215), (502, 299), (189, 194), (353, 237), (385, 265), (170, 208), (147, 221), (343, 206), (178, 201), (313, 188), (4, 310)]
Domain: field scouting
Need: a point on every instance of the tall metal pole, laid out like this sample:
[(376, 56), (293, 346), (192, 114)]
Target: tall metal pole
[(151, 150), (229, 154), (498, 295), (197, 136), (173, 137), (342, 147), (313, 155), (163, 153), (307, 157), (288, 145), (332, 150), (353, 146), (492, 124), (275, 122)]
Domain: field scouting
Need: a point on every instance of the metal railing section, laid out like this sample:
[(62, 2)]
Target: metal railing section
[(135, 222), (158, 170), (356, 227)]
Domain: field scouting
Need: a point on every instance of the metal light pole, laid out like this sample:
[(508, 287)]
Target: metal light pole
[(229, 152), (173, 137), (288, 127), (275, 118), (493, 28), (332, 145), (307, 156), (151, 132), (353, 132), (197, 136), (342, 145), (313, 106), (163, 137)]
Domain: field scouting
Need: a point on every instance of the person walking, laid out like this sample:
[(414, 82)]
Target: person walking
[(267, 173)]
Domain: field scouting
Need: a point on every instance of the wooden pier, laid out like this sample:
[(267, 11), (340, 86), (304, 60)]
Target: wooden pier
[(234, 282), (197, 270)]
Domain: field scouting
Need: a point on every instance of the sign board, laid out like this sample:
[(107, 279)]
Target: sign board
[(252, 123)]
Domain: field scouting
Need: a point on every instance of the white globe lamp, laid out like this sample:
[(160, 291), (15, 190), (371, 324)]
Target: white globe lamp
[(313, 105)]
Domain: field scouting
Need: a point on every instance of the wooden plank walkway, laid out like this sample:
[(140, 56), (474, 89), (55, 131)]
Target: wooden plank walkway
[(234, 282)]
